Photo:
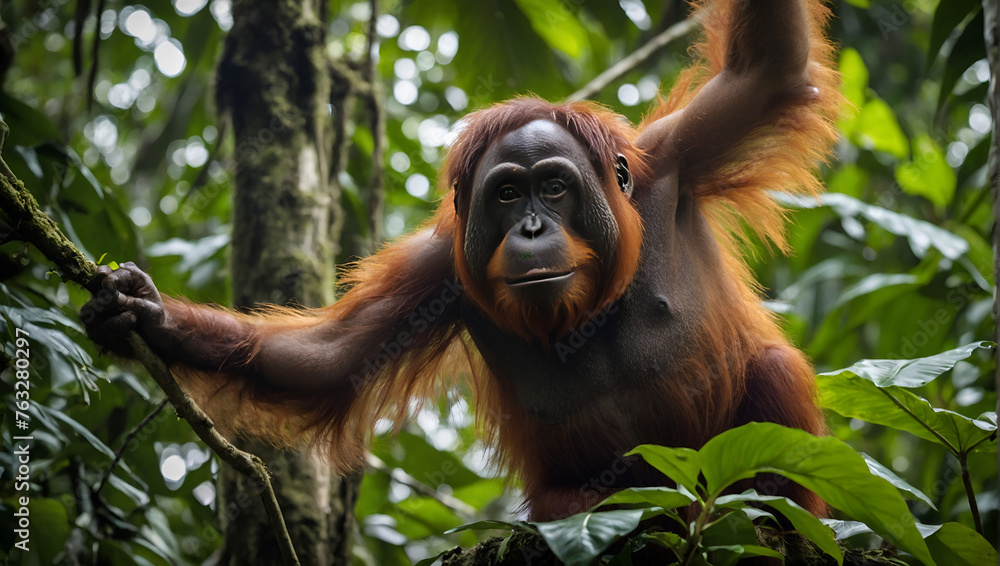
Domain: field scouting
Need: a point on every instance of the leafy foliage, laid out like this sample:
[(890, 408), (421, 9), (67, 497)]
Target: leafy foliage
[(894, 263)]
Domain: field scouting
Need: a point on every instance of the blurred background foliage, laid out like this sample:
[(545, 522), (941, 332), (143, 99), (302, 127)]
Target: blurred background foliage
[(895, 262)]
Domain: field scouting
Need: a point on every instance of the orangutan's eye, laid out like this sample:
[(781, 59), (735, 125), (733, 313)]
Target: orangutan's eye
[(508, 194), (554, 188)]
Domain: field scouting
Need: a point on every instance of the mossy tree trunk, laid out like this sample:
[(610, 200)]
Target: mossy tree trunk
[(991, 10), (274, 86)]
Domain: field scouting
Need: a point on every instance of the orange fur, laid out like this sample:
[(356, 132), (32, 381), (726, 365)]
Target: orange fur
[(780, 157), (568, 313), (604, 133), (739, 368), (382, 295)]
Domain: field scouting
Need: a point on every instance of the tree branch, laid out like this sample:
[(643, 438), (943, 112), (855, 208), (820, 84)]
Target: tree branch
[(128, 440), (36, 228), (636, 59), (94, 56), (376, 121), (456, 505)]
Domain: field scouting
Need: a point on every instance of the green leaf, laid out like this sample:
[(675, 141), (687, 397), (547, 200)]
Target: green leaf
[(28, 126), (852, 396), (137, 495), (556, 25), (192, 252), (624, 556), (846, 529), (876, 282), (49, 528), (425, 462), (666, 540), (735, 527), (978, 262), (910, 373), (922, 235), (825, 465), (508, 55), (485, 526), (879, 129), (432, 559), (80, 430), (947, 18), (876, 467), (854, 77), (955, 543), (974, 160), (928, 175), (850, 180), (504, 546), (678, 464), (733, 553), (578, 540), (866, 299), (967, 50), (664, 497), (804, 521)]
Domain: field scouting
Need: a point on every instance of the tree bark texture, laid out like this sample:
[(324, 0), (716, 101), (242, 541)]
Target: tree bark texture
[(991, 11), (274, 86)]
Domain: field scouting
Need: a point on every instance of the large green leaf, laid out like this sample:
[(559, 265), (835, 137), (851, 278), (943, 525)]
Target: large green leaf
[(825, 465), (678, 464), (732, 554), (866, 299), (434, 467), (578, 540), (928, 174), (947, 16), (922, 235), (954, 543), (876, 467), (856, 397), (910, 373), (854, 77), (804, 521), (873, 390), (880, 130), (735, 527), (877, 282), (556, 25), (649, 497), (967, 50), (733, 538)]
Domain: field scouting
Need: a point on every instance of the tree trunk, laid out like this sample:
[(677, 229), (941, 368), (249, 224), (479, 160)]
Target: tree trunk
[(273, 84), (991, 10)]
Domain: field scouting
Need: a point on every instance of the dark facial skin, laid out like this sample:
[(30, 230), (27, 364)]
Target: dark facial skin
[(531, 188)]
